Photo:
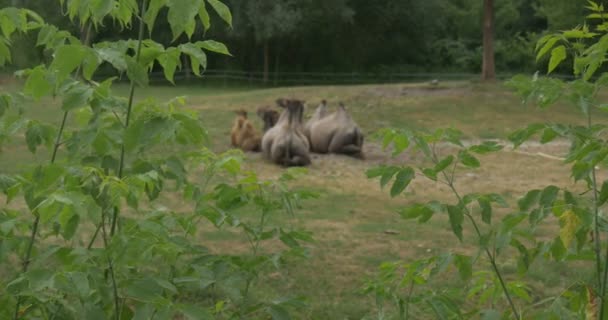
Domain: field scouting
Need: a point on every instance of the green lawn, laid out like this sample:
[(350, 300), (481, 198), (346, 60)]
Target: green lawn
[(351, 217)]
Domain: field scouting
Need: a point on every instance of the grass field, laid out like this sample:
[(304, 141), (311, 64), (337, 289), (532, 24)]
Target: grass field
[(350, 218)]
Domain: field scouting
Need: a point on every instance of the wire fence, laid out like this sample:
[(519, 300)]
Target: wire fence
[(256, 78)]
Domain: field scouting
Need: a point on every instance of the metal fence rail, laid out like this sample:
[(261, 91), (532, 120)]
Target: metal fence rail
[(256, 78)]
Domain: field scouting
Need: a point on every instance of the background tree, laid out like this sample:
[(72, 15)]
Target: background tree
[(488, 71)]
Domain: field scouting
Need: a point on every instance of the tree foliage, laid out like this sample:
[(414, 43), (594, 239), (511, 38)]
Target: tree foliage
[(93, 232), (315, 35)]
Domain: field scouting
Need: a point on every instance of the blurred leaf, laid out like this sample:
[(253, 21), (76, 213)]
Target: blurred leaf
[(213, 46), (456, 218), (402, 180), (557, 56), (136, 72), (222, 10), (181, 16), (464, 265), (528, 200), (486, 147), (468, 160)]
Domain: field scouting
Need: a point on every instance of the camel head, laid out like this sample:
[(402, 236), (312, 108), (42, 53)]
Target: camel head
[(241, 112), (268, 116)]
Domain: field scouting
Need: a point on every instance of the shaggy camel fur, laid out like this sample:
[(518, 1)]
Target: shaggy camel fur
[(268, 116), (336, 133), (243, 135), (284, 143)]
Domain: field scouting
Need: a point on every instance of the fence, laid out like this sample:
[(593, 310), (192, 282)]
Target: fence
[(256, 79)]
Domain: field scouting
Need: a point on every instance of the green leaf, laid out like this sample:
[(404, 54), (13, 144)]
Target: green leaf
[(423, 146), (387, 175), (444, 163), (5, 103), (67, 59), (486, 147), (468, 160), (100, 9), (558, 251), (520, 136), (548, 135), (486, 209), (420, 211), (181, 16), (400, 143), (278, 313), (548, 45), (491, 314), (198, 58), (557, 56), (37, 134), (429, 173), (213, 46), (204, 16), (194, 312), (510, 221), (113, 56), (456, 218), (154, 7), (464, 265), (136, 72), (170, 61), (37, 84), (603, 193), (144, 290), (77, 96), (402, 180), (222, 10), (548, 196)]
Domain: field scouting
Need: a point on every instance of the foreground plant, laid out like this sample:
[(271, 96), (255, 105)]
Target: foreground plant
[(581, 240), (93, 235)]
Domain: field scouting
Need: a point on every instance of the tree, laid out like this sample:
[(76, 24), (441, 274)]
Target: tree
[(488, 71), (267, 20)]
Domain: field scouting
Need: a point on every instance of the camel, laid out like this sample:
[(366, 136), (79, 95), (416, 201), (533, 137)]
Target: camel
[(336, 133), (319, 114), (284, 143), (243, 135), (268, 116)]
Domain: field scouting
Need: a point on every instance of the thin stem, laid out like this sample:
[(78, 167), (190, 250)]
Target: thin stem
[(58, 143), (94, 236), (602, 279), (111, 271), (121, 164), (491, 257), (257, 240), (30, 245), (408, 299)]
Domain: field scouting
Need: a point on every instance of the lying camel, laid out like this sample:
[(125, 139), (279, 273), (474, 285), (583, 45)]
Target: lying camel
[(284, 143), (268, 116), (243, 135), (336, 133), (319, 114)]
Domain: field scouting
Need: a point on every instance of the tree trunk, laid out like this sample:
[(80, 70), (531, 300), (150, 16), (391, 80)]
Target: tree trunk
[(266, 61), (276, 67), (488, 72), (186, 68)]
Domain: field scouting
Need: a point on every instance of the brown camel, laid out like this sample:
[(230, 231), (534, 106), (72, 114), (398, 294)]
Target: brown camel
[(243, 135), (284, 143), (336, 133)]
